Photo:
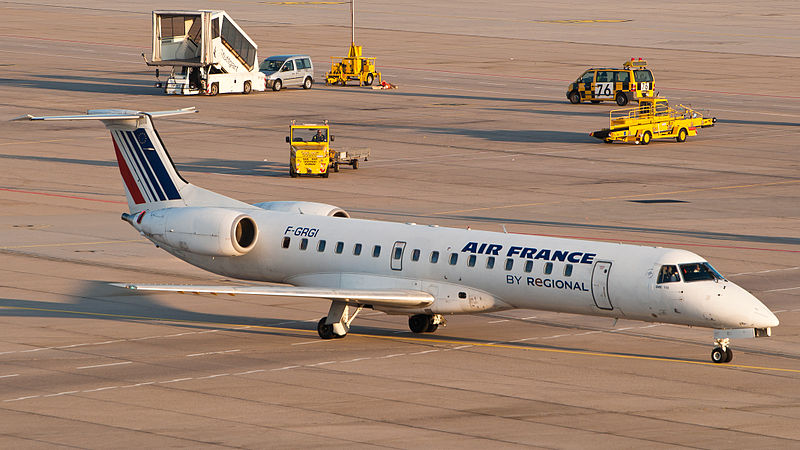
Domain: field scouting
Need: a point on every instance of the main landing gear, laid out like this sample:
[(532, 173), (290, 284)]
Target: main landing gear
[(425, 323), (337, 323), (722, 352)]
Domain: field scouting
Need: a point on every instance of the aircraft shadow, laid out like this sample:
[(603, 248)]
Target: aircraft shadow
[(102, 86)]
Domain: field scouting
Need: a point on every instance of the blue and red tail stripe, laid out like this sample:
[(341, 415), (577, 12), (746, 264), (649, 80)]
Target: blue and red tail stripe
[(144, 172)]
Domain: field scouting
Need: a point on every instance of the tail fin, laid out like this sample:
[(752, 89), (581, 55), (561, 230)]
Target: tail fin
[(151, 180)]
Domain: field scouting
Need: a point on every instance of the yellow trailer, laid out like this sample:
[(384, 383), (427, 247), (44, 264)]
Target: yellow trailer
[(353, 67), (309, 150), (653, 119)]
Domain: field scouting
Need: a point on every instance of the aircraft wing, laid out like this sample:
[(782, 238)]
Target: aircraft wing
[(389, 297)]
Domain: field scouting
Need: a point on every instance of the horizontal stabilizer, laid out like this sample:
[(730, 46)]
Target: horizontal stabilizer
[(394, 298), (110, 114)]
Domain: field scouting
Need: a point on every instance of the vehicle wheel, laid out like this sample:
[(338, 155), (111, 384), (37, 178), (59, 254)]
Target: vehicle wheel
[(325, 331), (277, 85), (325, 174), (292, 173), (574, 97), (248, 88), (355, 164), (595, 101), (370, 78), (342, 83), (621, 99), (728, 355), (646, 137), (307, 83), (418, 323), (682, 135), (214, 89), (718, 355)]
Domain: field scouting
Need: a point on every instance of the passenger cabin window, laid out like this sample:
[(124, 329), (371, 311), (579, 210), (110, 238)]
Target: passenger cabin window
[(376, 251), (668, 274), (699, 272), (471, 260), (357, 249), (509, 264), (548, 268), (568, 270), (490, 262), (529, 266), (303, 244), (339, 247), (453, 259), (321, 246), (434, 257), (415, 255), (286, 241)]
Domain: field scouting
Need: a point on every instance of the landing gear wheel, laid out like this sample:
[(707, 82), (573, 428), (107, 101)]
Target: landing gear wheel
[(728, 355), (574, 97), (370, 78), (621, 99), (248, 88), (307, 83), (682, 135), (646, 137), (419, 323), (277, 85), (214, 89), (432, 327), (718, 355), (325, 331)]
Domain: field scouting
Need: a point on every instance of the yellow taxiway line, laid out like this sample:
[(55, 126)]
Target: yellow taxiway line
[(416, 339)]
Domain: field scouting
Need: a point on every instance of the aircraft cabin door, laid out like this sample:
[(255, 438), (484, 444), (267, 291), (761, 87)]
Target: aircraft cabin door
[(397, 255), (600, 285)]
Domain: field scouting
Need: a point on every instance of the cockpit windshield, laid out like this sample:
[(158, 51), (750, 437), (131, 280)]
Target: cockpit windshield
[(270, 65), (699, 271)]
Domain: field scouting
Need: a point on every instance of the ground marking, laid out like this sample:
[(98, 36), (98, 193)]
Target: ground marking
[(106, 365)]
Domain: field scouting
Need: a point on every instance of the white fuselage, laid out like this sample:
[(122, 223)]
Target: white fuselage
[(565, 275)]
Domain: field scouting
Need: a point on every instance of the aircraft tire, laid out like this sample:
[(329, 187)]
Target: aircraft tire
[(432, 327), (419, 323), (325, 331), (728, 355), (682, 135), (718, 355)]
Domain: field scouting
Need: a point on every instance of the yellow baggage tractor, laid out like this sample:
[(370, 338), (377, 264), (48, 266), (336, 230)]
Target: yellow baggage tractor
[(309, 150), (653, 119)]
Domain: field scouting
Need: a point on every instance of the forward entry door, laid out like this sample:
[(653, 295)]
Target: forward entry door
[(600, 285), (397, 255)]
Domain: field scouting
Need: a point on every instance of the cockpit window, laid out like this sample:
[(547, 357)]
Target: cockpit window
[(668, 274), (699, 272)]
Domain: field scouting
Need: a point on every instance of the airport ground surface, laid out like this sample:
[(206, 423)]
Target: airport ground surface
[(479, 134)]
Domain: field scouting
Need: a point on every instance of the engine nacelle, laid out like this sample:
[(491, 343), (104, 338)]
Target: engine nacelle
[(311, 208), (205, 231)]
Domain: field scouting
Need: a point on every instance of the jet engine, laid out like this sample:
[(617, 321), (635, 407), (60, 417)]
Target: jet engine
[(311, 208), (204, 231)]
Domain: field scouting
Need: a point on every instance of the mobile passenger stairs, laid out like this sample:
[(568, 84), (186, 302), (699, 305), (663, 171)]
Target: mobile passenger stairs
[(207, 51)]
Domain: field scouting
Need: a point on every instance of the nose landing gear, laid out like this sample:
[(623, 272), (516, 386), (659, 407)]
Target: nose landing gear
[(722, 352)]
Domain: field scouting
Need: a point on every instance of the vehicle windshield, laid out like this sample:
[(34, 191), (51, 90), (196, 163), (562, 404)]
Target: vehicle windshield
[(642, 75), (699, 272), (309, 135), (271, 65)]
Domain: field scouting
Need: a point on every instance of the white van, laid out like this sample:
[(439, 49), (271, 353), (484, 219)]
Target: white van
[(288, 70)]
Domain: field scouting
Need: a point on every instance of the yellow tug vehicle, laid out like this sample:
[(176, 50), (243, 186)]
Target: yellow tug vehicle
[(353, 67), (653, 119)]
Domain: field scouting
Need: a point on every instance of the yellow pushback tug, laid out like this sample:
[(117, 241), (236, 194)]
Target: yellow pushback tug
[(653, 119)]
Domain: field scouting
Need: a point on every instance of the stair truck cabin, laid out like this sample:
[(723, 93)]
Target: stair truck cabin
[(207, 51)]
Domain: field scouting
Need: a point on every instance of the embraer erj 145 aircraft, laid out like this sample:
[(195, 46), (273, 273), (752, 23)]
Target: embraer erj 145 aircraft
[(424, 272)]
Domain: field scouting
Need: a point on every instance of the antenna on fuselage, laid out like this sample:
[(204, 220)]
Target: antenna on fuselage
[(504, 228)]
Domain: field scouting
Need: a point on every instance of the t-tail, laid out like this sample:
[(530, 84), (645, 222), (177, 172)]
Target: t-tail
[(151, 180)]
